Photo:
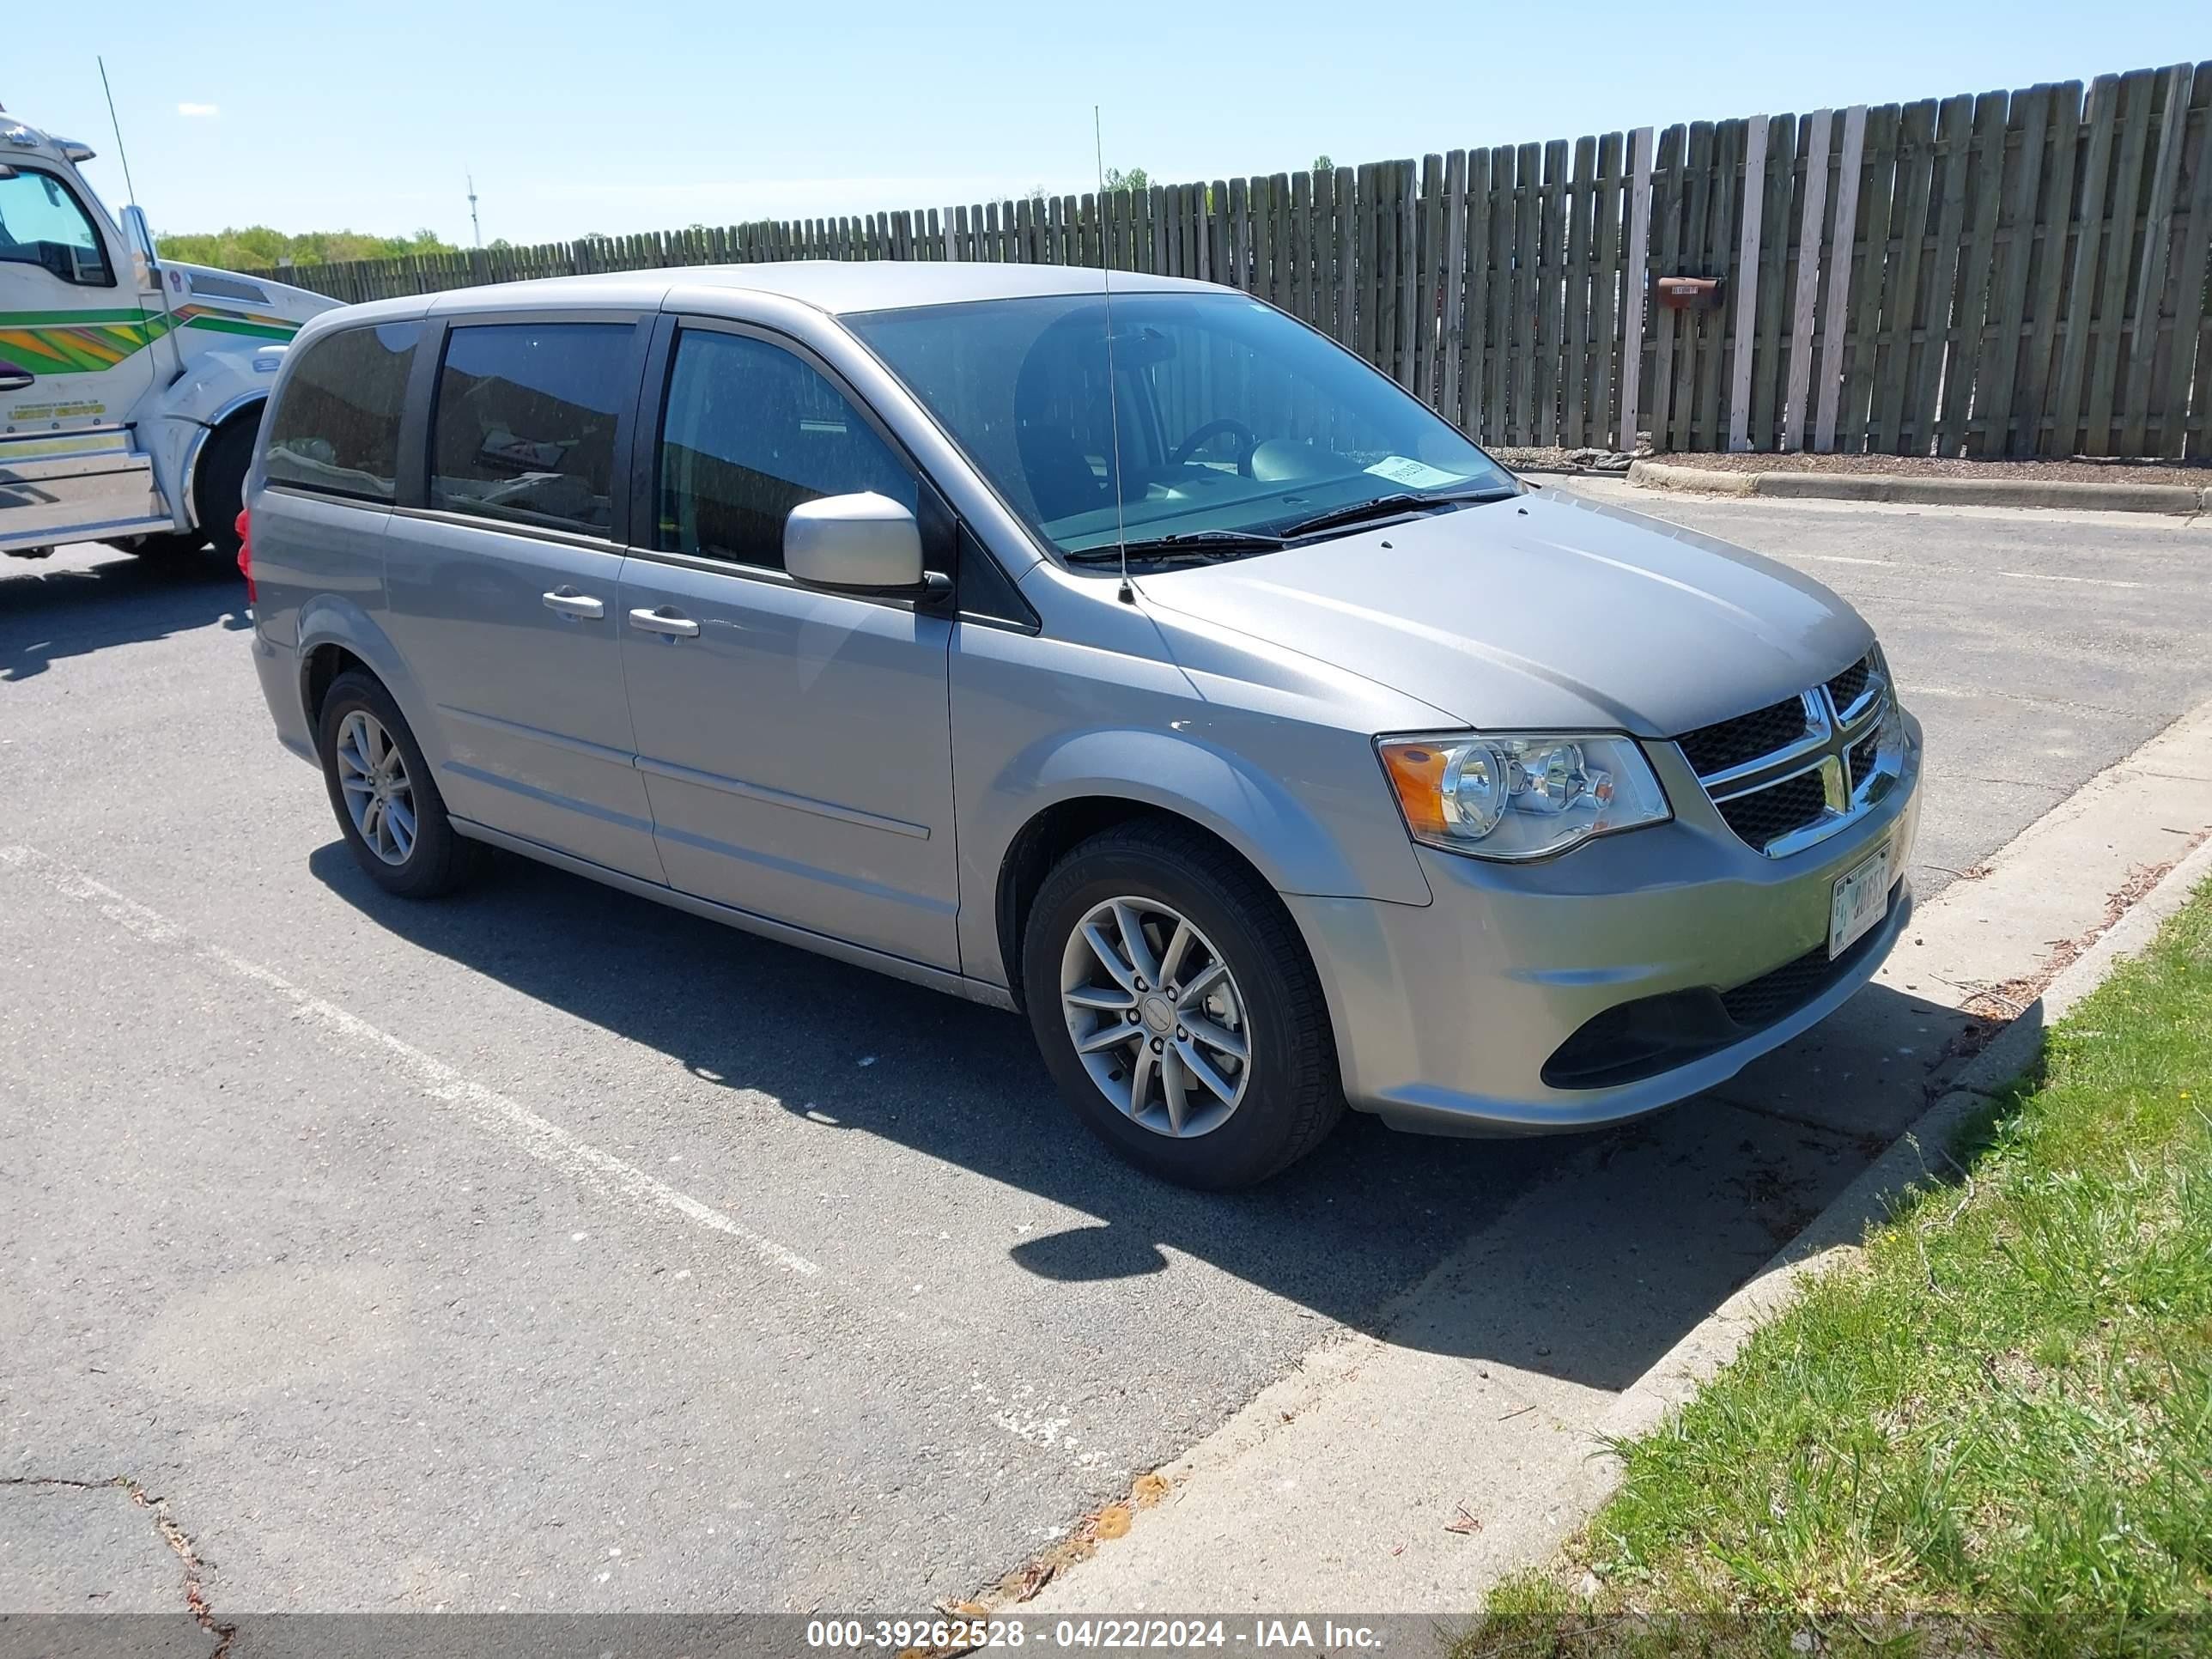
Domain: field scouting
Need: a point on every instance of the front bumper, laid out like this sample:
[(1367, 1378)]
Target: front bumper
[(1446, 1014)]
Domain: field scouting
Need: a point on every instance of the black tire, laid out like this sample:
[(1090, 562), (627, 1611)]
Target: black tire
[(440, 860), (219, 490), (1293, 1095)]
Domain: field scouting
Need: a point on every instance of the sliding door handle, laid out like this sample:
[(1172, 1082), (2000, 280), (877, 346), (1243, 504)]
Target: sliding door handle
[(569, 603), (664, 622)]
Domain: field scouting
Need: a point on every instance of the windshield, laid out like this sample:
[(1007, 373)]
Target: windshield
[(1234, 421)]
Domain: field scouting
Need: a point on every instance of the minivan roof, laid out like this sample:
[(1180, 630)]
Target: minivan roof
[(835, 286)]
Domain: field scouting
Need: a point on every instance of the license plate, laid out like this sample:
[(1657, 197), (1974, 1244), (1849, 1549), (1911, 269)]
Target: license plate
[(1860, 900)]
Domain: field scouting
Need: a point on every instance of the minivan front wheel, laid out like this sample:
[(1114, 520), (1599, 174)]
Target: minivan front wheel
[(1176, 1007), (388, 807)]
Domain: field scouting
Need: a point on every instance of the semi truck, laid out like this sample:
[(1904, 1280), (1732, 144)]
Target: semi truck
[(131, 386)]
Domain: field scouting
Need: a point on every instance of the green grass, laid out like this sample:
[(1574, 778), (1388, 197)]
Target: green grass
[(1994, 1431)]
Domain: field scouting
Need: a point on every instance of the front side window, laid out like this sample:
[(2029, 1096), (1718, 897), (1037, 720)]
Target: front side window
[(42, 223), (336, 429), (1208, 415), (524, 427), (752, 432)]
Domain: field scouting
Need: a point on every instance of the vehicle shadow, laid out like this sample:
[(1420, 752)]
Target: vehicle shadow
[(1616, 1242), (50, 613)]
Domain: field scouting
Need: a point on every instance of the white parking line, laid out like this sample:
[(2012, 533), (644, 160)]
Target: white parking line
[(2086, 582), (495, 1114), (2014, 575)]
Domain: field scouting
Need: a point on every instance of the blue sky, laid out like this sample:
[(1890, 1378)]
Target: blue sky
[(653, 114)]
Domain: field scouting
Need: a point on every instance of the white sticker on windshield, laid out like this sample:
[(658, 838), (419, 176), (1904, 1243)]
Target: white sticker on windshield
[(1398, 469)]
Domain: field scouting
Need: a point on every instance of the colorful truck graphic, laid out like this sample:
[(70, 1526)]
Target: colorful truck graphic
[(130, 387)]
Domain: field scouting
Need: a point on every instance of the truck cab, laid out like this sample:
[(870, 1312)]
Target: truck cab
[(130, 387)]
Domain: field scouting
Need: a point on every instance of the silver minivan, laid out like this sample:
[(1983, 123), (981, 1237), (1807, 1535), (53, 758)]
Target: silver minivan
[(1141, 660)]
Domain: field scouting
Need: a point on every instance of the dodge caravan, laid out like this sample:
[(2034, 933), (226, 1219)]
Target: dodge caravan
[(1143, 661)]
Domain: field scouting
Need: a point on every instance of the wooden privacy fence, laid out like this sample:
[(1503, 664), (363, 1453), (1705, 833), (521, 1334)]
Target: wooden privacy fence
[(2006, 274)]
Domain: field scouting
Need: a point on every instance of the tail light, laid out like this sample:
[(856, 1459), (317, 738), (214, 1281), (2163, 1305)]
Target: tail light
[(245, 557)]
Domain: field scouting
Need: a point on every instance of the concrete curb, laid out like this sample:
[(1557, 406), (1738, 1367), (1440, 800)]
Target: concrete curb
[(2175, 498), (1835, 1235)]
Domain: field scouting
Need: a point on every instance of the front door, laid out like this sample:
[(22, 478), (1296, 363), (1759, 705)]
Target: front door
[(505, 588), (76, 357), (796, 744)]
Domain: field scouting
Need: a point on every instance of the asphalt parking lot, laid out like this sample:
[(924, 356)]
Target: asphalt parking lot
[(549, 1249)]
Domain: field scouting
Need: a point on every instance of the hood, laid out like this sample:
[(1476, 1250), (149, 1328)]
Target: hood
[(226, 290), (1545, 611)]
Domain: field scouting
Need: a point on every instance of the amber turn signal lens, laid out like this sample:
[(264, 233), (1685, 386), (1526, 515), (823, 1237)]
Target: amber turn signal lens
[(1417, 773)]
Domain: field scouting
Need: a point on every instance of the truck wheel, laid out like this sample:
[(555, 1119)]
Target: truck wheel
[(388, 807), (1178, 1010), (220, 491)]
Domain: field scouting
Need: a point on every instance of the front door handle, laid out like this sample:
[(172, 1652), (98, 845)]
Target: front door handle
[(14, 377), (664, 621), (569, 603)]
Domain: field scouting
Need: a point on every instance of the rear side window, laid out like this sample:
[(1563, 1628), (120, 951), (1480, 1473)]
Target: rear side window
[(524, 428), (337, 427), (751, 433)]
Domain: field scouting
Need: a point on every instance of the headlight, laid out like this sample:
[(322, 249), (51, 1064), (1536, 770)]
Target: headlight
[(1520, 798)]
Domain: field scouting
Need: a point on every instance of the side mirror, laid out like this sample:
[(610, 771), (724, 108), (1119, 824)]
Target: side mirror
[(140, 235), (865, 543)]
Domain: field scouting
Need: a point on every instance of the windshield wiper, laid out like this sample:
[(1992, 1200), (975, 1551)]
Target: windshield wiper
[(1182, 544), (1389, 506)]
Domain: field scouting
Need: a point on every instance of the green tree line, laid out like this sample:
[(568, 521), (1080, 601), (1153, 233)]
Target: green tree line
[(259, 247)]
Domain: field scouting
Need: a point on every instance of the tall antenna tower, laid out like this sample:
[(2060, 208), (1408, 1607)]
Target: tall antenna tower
[(475, 228)]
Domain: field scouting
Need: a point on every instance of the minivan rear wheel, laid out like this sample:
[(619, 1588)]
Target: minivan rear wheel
[(388, 807), (1178, 1009)]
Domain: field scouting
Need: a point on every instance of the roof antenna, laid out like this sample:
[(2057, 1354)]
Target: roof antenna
[(161, 287), (1127, 594), (121, 155)]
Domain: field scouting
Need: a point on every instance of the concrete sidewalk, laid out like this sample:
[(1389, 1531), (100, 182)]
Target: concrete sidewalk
[(1407, 1472), (2117, 495)]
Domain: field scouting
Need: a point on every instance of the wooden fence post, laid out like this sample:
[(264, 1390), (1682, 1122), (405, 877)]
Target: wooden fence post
[(1451, 323), (1746, 297), (1840, 279), (1634, 284), (2150, 284), (1791, 427), (2192, 342)]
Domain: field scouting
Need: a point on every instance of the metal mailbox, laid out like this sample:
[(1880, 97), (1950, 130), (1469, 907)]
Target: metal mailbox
[(1687, 293)]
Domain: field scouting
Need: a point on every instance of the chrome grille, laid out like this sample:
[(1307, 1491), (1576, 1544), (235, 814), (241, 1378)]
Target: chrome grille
[(1730, 743), (1848, 687), (1795, 772), (1765, 815), (1863, 756)]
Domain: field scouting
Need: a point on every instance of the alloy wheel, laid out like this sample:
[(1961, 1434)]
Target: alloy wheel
[(1155, 1017), (380, 796)]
